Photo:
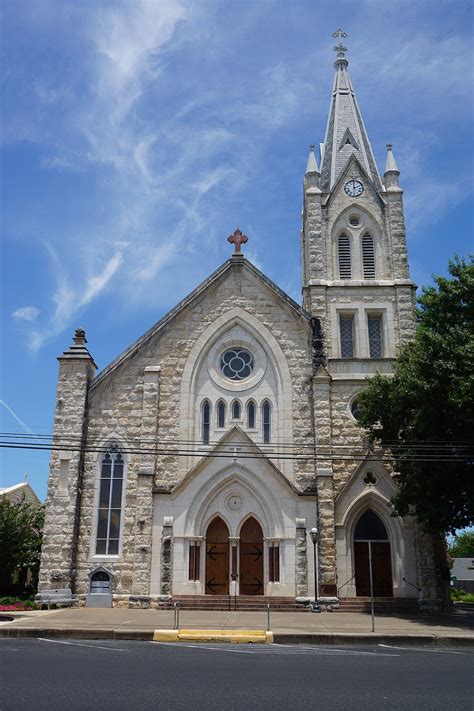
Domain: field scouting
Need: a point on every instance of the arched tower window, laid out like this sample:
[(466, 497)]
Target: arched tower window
[(266, 421), (206, 421), (110, 503), (344, 255), (236, 410), (251, 415), (368, 256), (221, 414)]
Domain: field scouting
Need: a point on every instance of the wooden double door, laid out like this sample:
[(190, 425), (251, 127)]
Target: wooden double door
[(381, 568), (221, 559)]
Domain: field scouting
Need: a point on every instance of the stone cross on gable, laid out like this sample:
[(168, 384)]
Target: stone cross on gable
[(237, 239)]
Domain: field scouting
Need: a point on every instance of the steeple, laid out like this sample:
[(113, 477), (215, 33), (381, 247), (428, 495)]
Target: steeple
[(345, 133)]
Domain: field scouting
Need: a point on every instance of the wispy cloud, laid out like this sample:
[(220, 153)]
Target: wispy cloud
[(26, 313)]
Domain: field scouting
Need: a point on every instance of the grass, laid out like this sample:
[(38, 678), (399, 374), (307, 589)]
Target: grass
[(461, 596)]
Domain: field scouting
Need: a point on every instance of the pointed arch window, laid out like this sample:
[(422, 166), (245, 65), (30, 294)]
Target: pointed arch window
[(221, 414), (368, 256), (251, 415), (110, 502), (266, 421), (206, 421), (344, 255), (236, 410)]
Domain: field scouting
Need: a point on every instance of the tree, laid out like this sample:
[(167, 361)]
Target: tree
[(424, 414), (21, 534), (462, 545)]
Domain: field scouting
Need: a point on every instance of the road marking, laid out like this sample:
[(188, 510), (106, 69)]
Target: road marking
[(79, 644), (416, 649), (291, 650)]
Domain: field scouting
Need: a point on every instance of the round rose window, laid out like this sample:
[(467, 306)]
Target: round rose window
[(237, 364)]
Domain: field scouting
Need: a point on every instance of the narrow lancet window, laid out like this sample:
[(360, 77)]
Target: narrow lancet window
[(266, 421), (110, 503), (221, 414), (374, 325), (206, 422), (251, 415), (344, 250), (236, 410), (368, 257)]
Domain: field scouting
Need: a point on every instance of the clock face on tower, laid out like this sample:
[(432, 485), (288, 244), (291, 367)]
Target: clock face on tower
[(354, 188)]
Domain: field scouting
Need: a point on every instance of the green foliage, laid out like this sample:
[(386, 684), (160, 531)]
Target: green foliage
[(21, 534), (424, 414), (462, 545), (461, 596)]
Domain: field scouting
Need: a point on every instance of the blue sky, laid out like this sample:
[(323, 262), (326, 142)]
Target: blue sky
[(136, 136)]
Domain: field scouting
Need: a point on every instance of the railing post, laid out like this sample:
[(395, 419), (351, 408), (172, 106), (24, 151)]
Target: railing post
[(268, 617), (176, 615)]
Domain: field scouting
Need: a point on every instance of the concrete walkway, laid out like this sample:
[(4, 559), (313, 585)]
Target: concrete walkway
[(288, 627)]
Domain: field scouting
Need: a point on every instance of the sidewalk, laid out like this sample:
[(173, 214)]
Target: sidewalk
[(288, 627)]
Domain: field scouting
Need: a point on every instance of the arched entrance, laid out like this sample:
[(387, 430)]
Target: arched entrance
[(217, 558), (251, 558), (371, 539)]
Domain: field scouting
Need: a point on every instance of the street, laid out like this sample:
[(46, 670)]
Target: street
[(101, 674)]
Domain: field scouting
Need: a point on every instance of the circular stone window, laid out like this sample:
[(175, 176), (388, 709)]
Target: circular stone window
[(356, 410), (236, 364)]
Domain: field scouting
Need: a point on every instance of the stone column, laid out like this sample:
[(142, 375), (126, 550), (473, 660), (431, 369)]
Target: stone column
[(301, 554), (146, 470), (167, 556), (63, 502), (324, 483)]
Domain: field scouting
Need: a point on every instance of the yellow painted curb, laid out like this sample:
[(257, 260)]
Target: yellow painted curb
[(232, 636)]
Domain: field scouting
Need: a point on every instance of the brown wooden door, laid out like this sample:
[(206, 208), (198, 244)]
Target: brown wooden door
[(217, 558), (251, 558), (381, 568)]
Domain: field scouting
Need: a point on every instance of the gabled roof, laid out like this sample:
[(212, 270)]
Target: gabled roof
[(345, 172), (18, 490), (346, 134), (236, 436), (235, 262)]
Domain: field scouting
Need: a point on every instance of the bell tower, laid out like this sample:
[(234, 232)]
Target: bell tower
[(354, 262)]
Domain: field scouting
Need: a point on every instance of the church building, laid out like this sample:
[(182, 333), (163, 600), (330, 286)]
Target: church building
[(219, 458)]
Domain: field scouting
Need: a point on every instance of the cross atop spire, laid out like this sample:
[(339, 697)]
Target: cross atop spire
[(339, 48)]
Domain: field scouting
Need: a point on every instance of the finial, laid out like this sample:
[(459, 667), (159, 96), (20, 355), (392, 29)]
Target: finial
[(311, 147), (237, 239), (391, 164), (389, 146), (311, 165), (79, 337), (339, 48)]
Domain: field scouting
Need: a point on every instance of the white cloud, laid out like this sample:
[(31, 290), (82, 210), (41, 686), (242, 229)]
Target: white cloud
[(26, 313)]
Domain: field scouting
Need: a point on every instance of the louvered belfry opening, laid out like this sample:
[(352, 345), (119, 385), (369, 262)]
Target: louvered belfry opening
[(344, 247), (368, 256)]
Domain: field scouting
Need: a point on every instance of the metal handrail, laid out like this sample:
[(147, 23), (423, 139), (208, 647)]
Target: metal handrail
[(346, 583), (412, 585)]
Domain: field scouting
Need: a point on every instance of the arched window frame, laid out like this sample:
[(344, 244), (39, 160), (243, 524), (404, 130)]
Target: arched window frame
[(221, 414), (206, 422), (107, 542), (236, 410), (266, 421), (251, 420)]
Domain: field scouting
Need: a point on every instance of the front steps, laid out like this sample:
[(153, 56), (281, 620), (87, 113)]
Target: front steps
[(259, 603), (241, 603), (384, 605)]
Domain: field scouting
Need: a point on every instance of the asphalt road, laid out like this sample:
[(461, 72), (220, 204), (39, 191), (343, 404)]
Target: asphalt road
[(79, 674)]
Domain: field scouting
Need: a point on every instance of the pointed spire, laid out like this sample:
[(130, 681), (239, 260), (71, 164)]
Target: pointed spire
[(346, 135), (392, 173), (312, 165)]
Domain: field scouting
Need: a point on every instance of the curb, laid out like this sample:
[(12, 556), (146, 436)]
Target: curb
[(232, 636), (324, 638)]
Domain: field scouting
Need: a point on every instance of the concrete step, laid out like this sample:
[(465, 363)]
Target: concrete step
[(248, 603)]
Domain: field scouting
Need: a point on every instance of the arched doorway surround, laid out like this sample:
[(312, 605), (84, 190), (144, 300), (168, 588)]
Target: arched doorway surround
[(251, 558), (371, 542), (217, 558)]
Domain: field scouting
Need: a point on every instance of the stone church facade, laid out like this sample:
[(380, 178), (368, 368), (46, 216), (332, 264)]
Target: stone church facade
[(197, 462)]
